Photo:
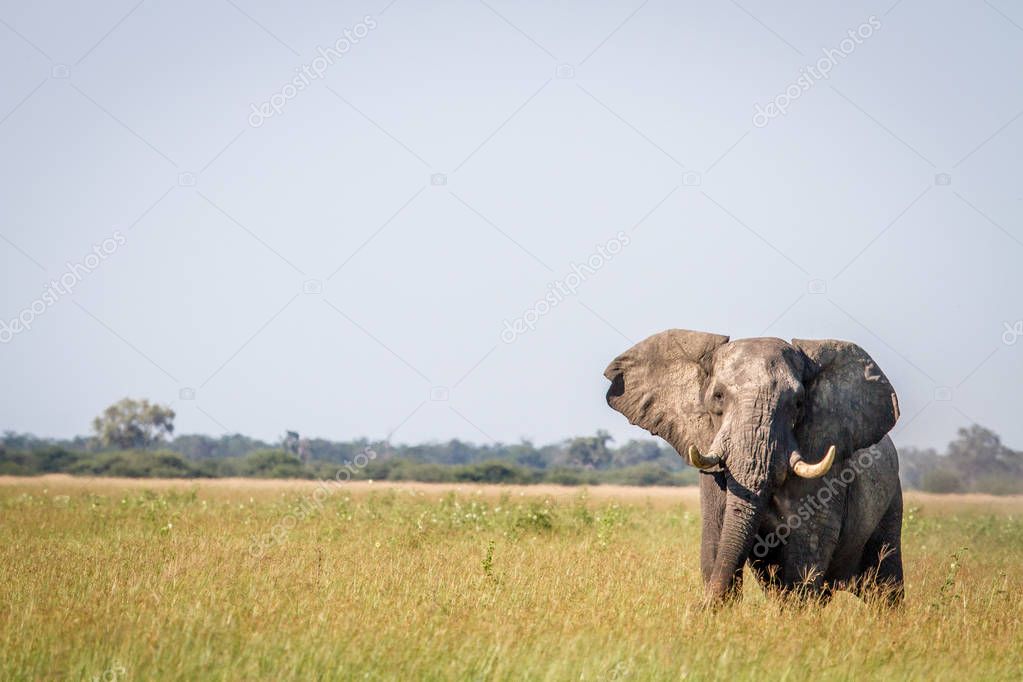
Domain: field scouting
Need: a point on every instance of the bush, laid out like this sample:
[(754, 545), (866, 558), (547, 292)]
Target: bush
[(941, 481), (137, 464), (45, 461), (493, 472), (571, 477), (54, 460), (271, 464), (17, 464), (651, 474), (998, 485)]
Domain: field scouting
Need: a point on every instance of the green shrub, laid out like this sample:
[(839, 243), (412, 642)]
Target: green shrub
[(137, 464), (571, 477), (30, 463), (941, 481), (493, 472), (650, 474), (998, 485), (17, 464), (272, 464)]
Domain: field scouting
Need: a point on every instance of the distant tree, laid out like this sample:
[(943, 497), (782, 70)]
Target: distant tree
[(133, 424), (198, 446), (18, 441), (647, 451), (525, 454), (978, 453), (914, 463), (290, 442), (590, 452), (194, 446), (330, 451)]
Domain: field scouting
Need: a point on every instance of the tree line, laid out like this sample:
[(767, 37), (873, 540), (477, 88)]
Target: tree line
[(134, 438)]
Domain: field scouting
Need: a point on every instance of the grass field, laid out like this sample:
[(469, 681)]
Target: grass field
[(131, 580)]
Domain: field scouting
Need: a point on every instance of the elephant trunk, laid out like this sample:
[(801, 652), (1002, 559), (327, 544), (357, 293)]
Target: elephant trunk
[(752, 442), (738, 531)]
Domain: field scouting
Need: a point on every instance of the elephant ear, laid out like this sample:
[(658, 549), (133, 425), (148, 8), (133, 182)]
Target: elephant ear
[(658, 385), (849, 401)]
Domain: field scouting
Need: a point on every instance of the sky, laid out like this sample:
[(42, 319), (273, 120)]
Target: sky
[(441, 220)]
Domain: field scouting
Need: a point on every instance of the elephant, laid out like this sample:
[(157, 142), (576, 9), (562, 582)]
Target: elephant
[(799, 477)]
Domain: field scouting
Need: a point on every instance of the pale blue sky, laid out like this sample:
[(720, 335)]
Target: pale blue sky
[(110, 109)]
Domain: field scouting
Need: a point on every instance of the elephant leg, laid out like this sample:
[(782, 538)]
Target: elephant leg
[(808, 553), (881, 566)]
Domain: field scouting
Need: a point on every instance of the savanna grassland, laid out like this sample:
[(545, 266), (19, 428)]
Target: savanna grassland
[(240, 580)]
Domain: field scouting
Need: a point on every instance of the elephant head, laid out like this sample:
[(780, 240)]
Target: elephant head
[(757, 410)]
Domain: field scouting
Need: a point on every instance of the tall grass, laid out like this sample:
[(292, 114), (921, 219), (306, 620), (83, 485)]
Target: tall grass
[(114, 581)]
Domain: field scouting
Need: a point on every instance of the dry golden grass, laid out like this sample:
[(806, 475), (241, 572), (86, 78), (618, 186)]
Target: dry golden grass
[(161, 580)]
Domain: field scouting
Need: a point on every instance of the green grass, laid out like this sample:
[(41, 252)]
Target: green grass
[(106, 579)]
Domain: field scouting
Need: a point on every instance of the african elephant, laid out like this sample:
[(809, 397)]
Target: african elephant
[(799, 477)]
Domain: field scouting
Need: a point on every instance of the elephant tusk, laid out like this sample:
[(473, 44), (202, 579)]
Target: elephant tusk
[(699, 461), (805, 470)]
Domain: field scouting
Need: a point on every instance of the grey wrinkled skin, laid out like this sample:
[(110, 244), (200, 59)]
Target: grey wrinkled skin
[(753, 402)]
